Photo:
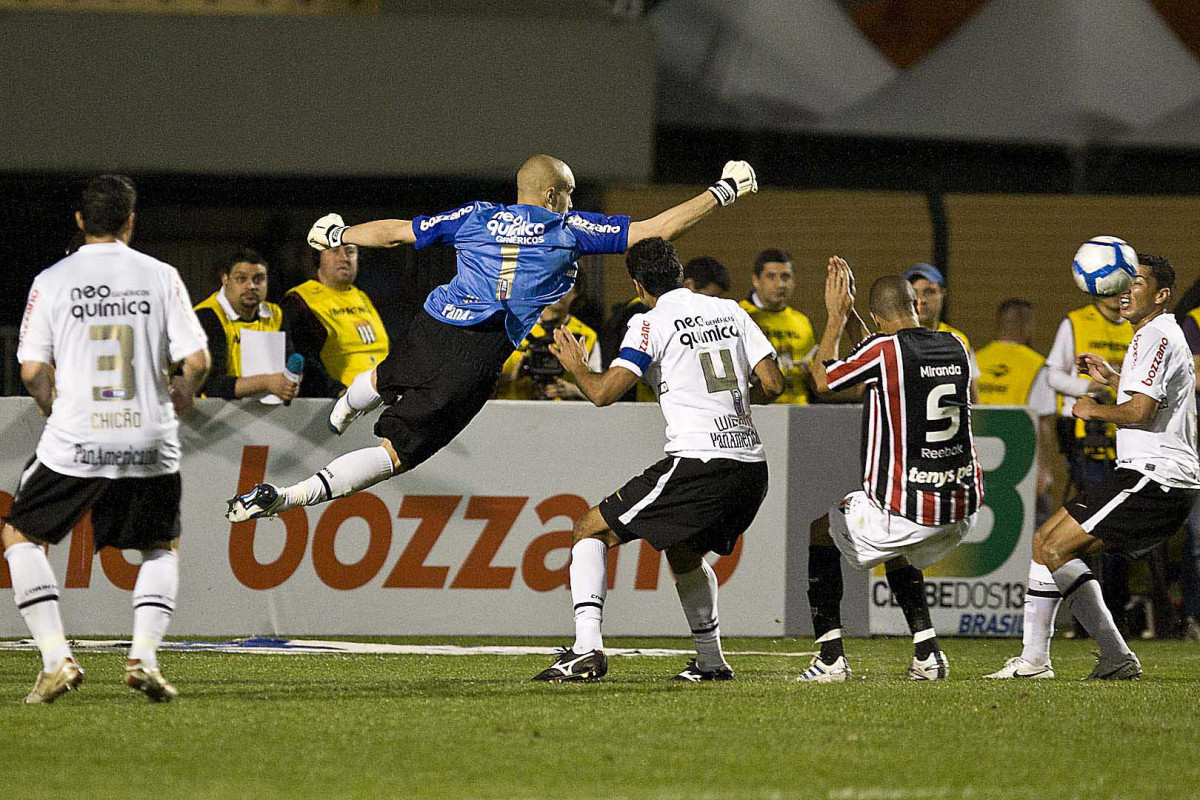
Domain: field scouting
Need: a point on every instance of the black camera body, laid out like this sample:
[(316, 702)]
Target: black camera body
[(539, 364)]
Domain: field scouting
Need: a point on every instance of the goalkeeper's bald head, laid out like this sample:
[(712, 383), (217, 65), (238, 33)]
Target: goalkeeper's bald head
[(545, 181)]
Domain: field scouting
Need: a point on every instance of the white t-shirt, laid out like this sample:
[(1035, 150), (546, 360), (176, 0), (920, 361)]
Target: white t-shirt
[(700, 352), (1041, 398), (111, 320), (1159, 365)]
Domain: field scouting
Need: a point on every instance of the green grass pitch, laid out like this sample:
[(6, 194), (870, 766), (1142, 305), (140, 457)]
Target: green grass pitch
[(365, 726)]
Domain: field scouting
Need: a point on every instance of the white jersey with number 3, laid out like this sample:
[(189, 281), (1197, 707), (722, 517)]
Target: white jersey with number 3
[(111, 320), (1159, 365), (699, 352)]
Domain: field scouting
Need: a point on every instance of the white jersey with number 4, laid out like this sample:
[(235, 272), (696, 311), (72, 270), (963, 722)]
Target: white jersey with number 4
[(699, 352), (1159, 365), (111, 320)]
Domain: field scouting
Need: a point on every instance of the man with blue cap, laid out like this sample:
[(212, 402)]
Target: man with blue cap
[(930, 285)]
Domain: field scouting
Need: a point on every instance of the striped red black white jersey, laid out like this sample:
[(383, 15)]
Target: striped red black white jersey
[(918, 453)]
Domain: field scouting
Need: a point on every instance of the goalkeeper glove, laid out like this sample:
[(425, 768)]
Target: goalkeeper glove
[(736, 179), (326, 232)]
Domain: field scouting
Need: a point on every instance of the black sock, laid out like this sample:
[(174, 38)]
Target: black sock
[(908, 585), (825, 597)]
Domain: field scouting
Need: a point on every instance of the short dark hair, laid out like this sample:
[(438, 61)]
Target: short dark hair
[(655, 265), (238, 256), (106, 202), (1014, 304), (1160, 268), (705, 270), (769, 255), (892, 297)]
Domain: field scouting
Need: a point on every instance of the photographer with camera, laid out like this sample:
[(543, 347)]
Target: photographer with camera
[(532, 372)]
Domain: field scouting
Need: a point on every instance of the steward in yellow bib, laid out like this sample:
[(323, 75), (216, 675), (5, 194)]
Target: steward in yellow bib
[(1097, 328), (334, 325), (237, 307), (788, 330), (533, 373)]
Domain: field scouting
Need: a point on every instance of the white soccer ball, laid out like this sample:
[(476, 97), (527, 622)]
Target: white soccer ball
[(1104, 266)]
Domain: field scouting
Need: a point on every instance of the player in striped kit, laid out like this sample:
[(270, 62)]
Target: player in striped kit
[(922, 484)]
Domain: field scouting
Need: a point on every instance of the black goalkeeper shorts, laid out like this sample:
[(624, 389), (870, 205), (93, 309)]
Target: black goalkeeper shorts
[(435, 380)]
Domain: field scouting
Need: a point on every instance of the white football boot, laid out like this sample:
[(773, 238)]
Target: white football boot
[(934, 667), (1018, 667), (820, 672)]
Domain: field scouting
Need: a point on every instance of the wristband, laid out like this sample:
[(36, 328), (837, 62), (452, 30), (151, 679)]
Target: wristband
[(725, 191), (334, 235)]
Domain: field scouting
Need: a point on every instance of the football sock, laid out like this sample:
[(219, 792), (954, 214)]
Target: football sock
[(698, 596), (153, 604), (360, 394), (1042, 600), (36, 594), (1081, 591), (589, 587), (345, 475), (825, 599), (908, 585)]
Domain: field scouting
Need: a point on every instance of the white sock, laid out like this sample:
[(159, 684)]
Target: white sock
[(153, 604), (345, 475), (36, 594), (360, 394), (589, 587), (1042, 600), (698, 596), (1081, 591)]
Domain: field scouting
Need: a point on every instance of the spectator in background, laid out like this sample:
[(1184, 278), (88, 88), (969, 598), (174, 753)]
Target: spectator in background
[(706, 275), (532, 372), (1190, 568), (240, 305), (1012, 373), (788, 330), (929, 284), (334, 325)]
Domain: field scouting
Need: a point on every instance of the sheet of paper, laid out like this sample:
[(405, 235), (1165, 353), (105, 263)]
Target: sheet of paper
[(263, 353)]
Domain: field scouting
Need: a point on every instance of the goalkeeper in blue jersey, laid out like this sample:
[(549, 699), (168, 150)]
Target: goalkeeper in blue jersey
[(513, 261)]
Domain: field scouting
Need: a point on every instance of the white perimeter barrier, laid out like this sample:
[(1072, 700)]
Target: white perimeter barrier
[(476, 541)]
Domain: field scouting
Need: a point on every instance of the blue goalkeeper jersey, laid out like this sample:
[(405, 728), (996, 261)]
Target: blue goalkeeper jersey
[(515, 259)]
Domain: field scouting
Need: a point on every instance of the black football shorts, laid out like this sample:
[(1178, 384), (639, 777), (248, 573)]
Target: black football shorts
[(435, 380), (707, 504), (1131, 513), (127, 513)]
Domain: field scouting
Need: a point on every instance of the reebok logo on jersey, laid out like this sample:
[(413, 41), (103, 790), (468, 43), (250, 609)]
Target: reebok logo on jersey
[(576, 221), (426, 224)]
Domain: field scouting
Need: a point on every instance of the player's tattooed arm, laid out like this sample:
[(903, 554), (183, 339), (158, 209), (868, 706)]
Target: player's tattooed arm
[(768, 383), (38, 378), (839, 301), (602, 388), (737, 179)]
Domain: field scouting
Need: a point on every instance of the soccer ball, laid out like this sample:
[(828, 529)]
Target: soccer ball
[(1104, 266)]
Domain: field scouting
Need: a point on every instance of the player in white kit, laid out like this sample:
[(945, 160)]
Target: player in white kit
[(701, 354), (1155, 485), (101, 330)]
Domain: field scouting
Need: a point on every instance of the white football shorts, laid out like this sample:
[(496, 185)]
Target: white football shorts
[(867, 535)]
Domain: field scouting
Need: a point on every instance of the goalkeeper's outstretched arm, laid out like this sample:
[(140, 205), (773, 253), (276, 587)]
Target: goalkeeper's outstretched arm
[(331, 231), (737, 179)]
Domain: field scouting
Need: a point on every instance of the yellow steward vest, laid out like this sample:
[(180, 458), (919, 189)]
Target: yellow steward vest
[(962, 337), (1009, 370), (233, 329), (790, 332), (1095, 334), (522, 388), (355, 340)]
